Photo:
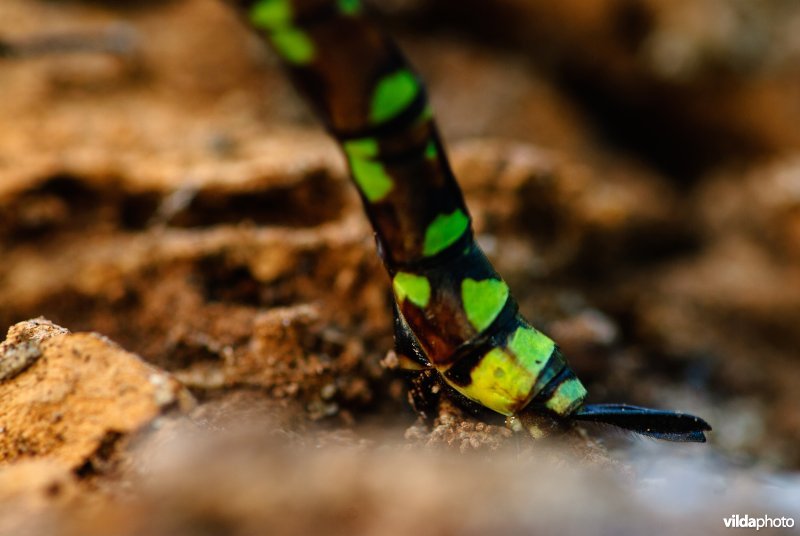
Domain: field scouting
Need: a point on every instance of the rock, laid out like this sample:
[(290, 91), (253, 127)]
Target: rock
[(67, 396)]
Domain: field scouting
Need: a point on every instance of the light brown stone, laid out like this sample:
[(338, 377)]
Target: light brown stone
[(80, 390)]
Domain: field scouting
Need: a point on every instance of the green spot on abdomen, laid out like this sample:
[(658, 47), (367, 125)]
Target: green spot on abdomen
[(275, 16), (392, 95), (371, 178), (532, 348), (349, 7), (430, 151), (271, 14), (416, 288), (293, 45), (567, 397), (362, 148), (483, 300), (443, 231)]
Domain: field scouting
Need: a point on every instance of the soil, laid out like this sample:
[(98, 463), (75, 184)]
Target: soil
[(199, 328)]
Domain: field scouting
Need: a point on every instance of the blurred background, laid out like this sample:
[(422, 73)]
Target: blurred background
[(633, 169)]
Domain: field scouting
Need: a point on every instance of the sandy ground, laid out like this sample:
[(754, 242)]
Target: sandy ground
[(198, 322)]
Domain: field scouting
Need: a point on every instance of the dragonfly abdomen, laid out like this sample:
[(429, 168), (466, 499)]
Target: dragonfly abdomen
[(453, 304)]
